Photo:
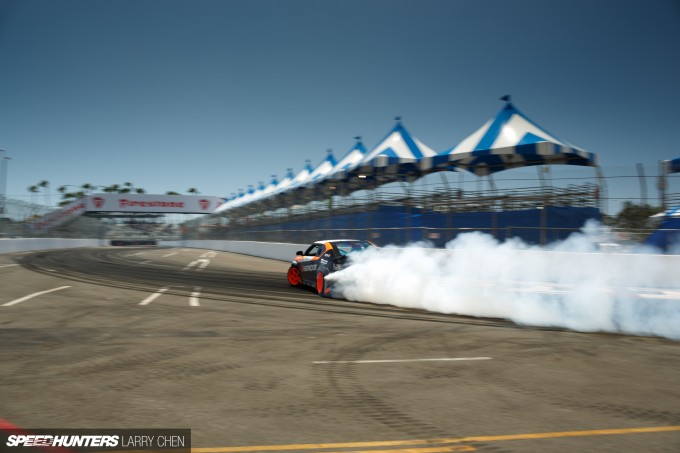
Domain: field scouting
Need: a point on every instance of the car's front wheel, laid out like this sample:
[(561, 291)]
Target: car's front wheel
[(294, 278)]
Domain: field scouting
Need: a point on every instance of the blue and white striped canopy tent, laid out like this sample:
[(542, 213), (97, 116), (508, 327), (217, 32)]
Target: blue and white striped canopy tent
[(282, 186), (321, 170), (251, 193), (242, 198), (509, 140), (671, 166), (227, 204), (231, 202), (300, 178), (268, 191), (347, 163), (259, 192), (398, 154)]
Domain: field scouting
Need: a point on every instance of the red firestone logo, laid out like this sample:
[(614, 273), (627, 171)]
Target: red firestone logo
[(98, 202), (205, 204)]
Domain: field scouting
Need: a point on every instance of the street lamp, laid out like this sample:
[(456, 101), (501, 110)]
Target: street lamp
[(3, 181)]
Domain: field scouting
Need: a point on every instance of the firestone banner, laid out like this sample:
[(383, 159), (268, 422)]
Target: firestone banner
[(178, 204)]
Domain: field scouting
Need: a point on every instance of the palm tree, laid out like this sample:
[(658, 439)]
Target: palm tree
[(140, 190), (171, 192), (87, 187), (44, 184), (193, 190), (33, 190)]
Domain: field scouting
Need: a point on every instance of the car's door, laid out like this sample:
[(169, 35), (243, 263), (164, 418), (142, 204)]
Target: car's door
[(309, 262)]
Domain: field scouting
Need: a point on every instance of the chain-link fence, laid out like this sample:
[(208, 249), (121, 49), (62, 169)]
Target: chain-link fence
[(17, 218), (281, 221)]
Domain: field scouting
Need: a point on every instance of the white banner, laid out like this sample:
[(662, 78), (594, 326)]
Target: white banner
[(179, 204)]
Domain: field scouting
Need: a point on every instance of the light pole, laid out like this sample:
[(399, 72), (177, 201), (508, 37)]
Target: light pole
[(3, 182)]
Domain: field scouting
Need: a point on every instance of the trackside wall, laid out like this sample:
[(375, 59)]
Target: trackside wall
[(30, 244), (666, 267), (271, 250)]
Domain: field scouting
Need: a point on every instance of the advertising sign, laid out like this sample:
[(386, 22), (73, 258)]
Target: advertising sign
[(176, 204)]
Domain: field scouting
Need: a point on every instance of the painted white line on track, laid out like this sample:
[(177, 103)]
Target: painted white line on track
[(153, 296), (202, 263), (210, 254), (135, 254), (146, 262), (193, 299), (445, 359), (31, 296), (8, 265), (170, 254)]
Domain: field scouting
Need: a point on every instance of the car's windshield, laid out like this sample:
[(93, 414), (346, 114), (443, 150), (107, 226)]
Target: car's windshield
[(347, 247)]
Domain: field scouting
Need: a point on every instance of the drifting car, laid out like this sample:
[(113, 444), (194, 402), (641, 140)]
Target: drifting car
[(310, 268)]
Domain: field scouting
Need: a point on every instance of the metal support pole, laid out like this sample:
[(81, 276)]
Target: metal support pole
[(409, 224), (662, 185), (643, 183), (3, 183), (602, 202)]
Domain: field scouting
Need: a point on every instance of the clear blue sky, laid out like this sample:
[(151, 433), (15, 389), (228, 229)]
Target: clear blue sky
[(173, 94)]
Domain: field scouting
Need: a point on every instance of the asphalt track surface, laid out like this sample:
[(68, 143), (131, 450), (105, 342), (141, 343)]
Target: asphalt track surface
[(219, 343)]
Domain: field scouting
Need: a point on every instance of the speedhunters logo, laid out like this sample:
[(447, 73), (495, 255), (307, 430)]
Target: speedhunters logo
[(72, 440), (34, 440)]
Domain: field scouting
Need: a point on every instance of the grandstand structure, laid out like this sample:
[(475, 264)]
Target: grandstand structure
[(397, 192), (374, 194)]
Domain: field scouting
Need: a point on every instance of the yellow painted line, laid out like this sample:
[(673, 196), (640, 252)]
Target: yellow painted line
[(418, 450), (453, 440)]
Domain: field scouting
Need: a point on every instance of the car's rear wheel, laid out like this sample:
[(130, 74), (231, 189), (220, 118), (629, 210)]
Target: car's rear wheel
[(294, 278), (320, 284)]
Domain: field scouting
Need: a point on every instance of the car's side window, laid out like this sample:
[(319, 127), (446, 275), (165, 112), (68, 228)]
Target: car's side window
[(313, 250)]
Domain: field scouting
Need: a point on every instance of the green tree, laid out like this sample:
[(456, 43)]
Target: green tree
[(633, 216)]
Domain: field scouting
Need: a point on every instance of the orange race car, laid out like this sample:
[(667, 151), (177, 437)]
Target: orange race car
[(310, 268)]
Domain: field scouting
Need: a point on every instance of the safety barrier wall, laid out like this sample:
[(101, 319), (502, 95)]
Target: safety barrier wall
[(271, 250), (30, 244), (277, 251), (620, 265)]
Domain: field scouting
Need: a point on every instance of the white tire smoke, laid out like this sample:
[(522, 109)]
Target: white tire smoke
[(569, 285)]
